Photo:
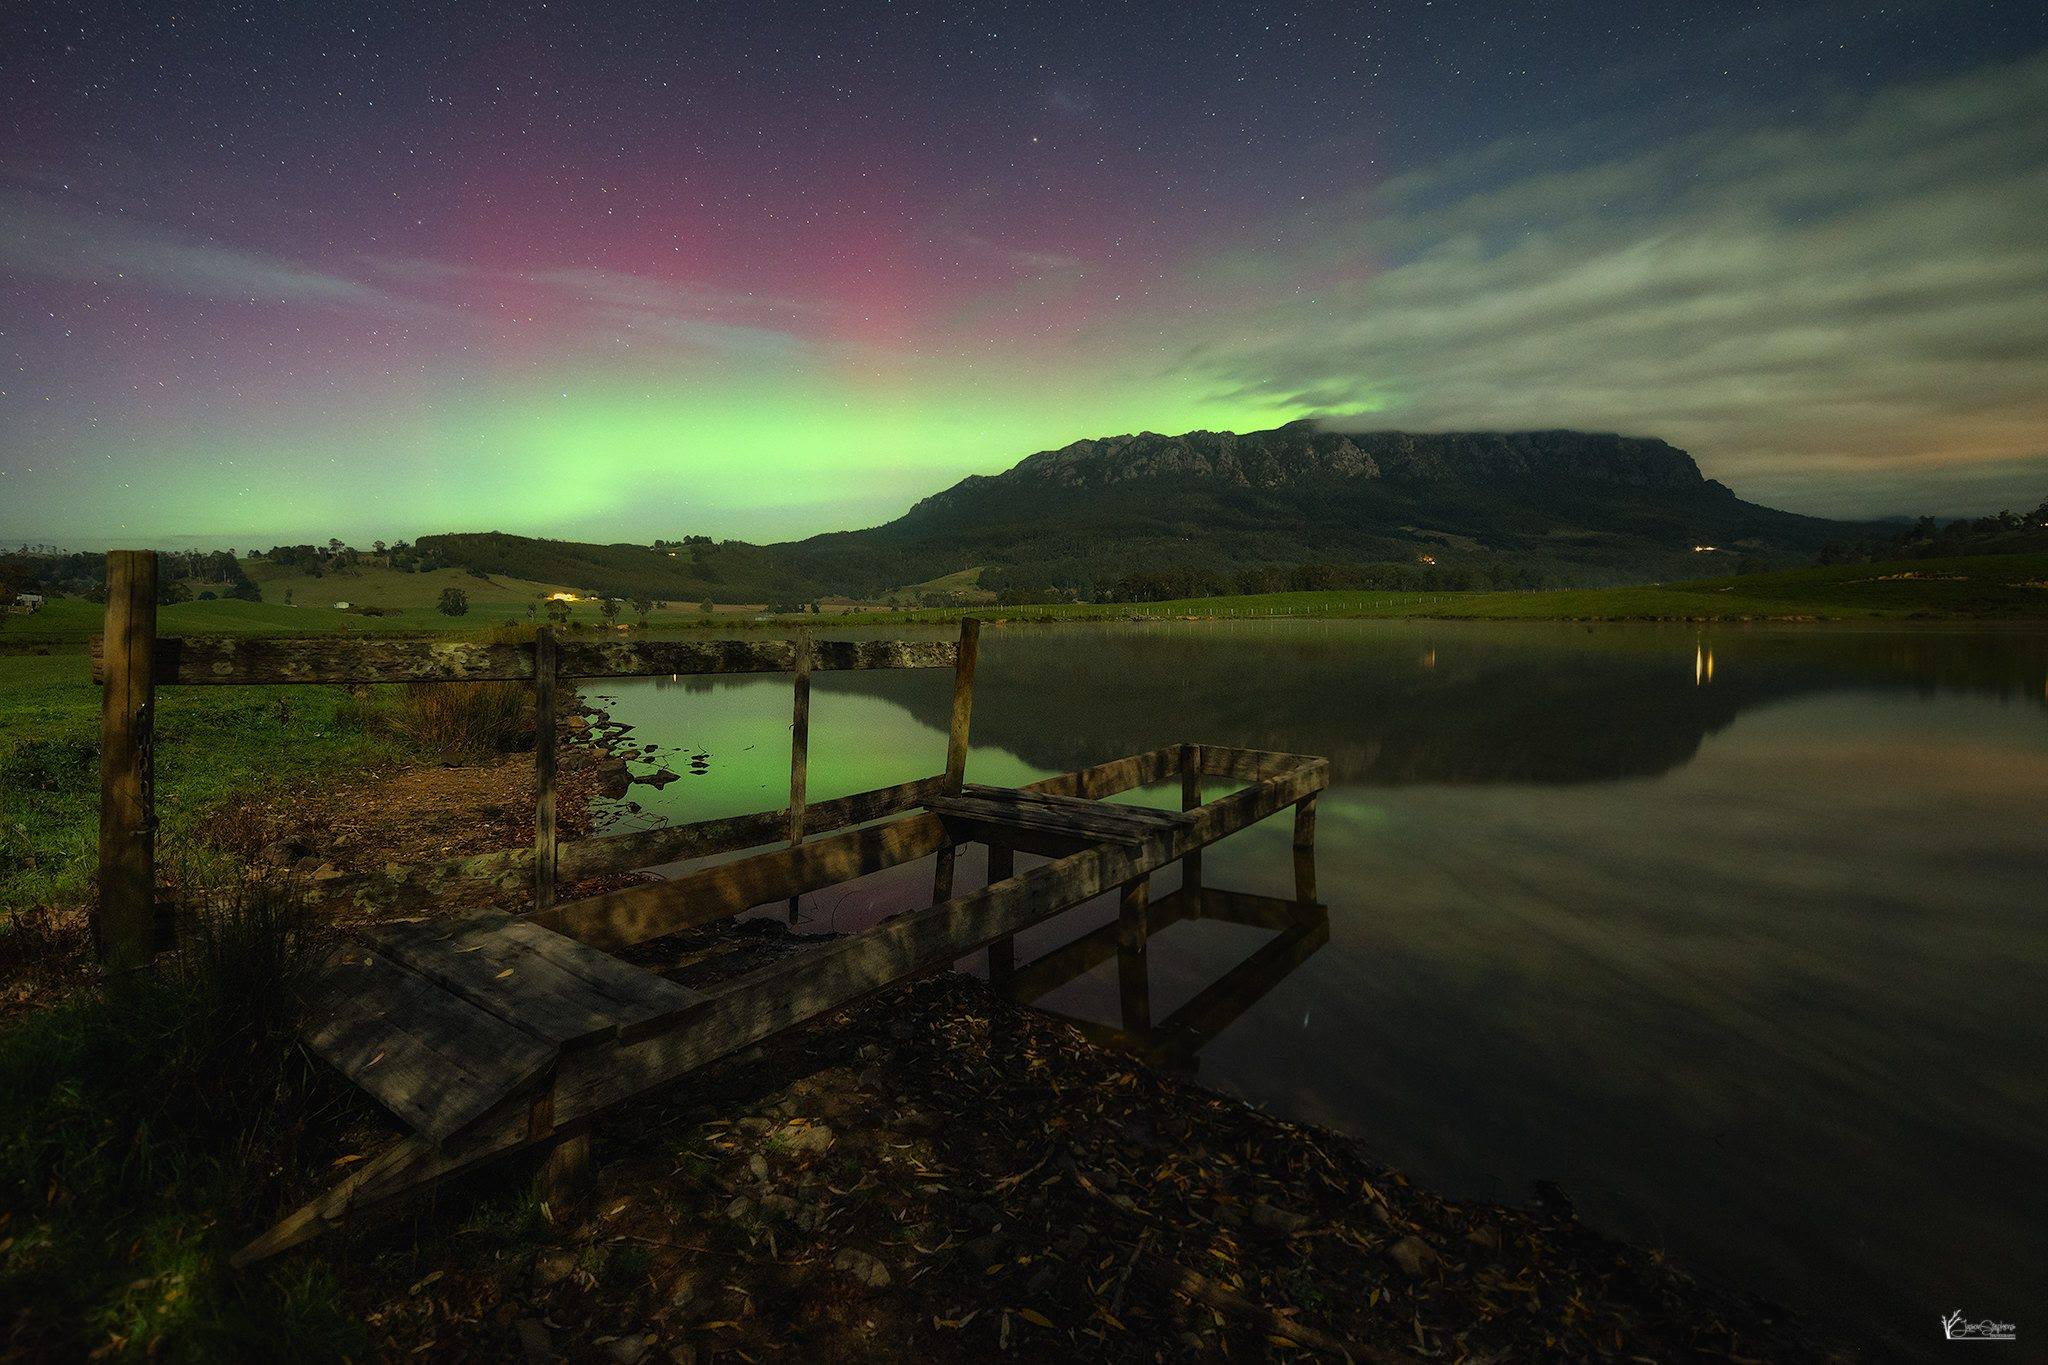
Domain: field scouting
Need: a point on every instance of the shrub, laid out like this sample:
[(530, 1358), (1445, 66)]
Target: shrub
[(464, 721)]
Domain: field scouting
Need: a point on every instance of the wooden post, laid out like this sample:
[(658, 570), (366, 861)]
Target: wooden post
[(1305, 823), (1134, 986), (564, 1178), (544, 676), (1190, 798), (124, 929), (956, 744), (799, 751), (1002, 954)]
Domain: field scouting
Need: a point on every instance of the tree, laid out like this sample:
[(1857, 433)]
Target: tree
[(532, 610), (611, 610), (558, 613), (287, 596), (643, 605), (454, 602), (706, 607)]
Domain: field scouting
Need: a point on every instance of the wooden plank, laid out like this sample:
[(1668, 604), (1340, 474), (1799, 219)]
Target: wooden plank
[(124, 919), (547, 985), (1305, 823), (227, 660), (545, 664), (774, 998), (1007, 815), (402, 888), (1243, 765), (436, 1061), (1190, 798), (1121, 812), (636, 914)]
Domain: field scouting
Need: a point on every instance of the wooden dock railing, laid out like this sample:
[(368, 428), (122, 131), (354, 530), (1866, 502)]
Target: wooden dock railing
[(131, 661)]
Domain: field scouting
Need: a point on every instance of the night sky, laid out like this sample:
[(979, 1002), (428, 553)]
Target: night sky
[(625, 271)]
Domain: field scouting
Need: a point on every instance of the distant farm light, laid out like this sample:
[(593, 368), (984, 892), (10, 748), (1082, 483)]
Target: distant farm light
[(563, 597), (1427, 559), (1705, 549)]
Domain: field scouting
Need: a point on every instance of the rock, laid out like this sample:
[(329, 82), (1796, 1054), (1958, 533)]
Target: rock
[(756, 1125), (683, 1354), (629, 1350), (657, 779), (326, 872), (614, 779), (984, 1214), (804, 1139), (740, 1208), (1485, 1238), (862, 1268), (534, 1342), (1276, 1219), (685, 1290), (1413, 1255), (778, 1206), (1039, 1285), (552, 1267), (987, 1250), (758, 1164)]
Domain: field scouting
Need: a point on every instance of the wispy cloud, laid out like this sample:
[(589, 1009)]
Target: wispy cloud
[(1866, 291), (41, 236)]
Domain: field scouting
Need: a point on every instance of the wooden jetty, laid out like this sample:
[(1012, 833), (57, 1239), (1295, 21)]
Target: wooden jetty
[(488, 1033)]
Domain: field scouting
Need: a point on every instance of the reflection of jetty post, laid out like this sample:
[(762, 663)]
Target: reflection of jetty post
[(1134, 988), (799, 750)]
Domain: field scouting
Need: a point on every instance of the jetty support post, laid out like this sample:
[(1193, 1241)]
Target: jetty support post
[(546, 666), (956, 745), (1305, 850), (124, 925), (1134, 985), (1190, 799), (799, 751)]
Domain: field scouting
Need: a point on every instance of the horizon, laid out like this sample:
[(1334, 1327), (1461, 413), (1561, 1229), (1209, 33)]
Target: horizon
[(617, 277)]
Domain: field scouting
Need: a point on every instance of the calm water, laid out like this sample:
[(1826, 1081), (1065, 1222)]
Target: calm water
[(1738, 935)]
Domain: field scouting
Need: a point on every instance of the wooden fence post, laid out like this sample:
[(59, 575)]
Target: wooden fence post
[(545, 668), (956, 744), (799, 750), (124, 929), (1190, 798)]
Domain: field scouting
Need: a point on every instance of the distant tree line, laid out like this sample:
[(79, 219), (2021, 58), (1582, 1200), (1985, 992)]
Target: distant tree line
[(2007, 533)]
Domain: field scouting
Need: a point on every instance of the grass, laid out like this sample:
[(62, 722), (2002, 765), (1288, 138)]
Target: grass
[(138, 1112), (214, 745)]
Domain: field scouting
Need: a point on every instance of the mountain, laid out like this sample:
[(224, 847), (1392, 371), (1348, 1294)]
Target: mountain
[(1219, 511), (1559, 506)]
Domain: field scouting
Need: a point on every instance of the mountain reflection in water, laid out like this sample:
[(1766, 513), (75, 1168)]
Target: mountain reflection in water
[(1734, 933)]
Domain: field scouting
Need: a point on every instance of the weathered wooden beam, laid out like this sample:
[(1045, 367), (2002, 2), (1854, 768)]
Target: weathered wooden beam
[(606, 855), (767, 1001), (545, 663), (1191, 797), (124, 922), (224, 660), (963, 702), (1305, 822), (635, 914)]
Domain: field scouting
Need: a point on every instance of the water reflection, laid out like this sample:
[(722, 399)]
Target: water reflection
[(1298, 929), (1736, 933)]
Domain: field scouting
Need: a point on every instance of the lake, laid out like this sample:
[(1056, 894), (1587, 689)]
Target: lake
[(1736, 935)]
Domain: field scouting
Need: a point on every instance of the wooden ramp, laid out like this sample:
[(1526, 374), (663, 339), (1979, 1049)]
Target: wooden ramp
[(444, 1021)]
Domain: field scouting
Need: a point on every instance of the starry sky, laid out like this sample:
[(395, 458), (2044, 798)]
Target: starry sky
[(619, 271)]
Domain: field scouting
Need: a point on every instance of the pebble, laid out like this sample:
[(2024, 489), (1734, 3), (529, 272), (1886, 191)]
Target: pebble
[(534, 1342), (1278, 1219)]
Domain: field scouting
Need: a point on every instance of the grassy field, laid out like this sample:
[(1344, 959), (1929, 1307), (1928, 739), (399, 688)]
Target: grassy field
[(380, 585), (1994, 586)]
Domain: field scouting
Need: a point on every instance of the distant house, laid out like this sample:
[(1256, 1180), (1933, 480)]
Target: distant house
[(341, 606), (28, 601)]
